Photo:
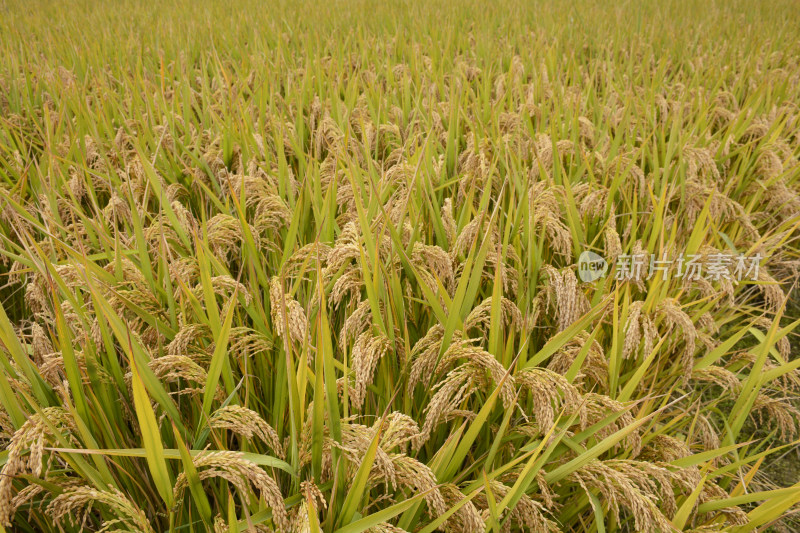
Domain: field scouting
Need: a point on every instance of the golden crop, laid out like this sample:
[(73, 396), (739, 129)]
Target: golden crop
[(300, 268)]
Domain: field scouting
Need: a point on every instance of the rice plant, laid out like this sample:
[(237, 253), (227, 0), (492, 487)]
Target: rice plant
[(305, 268)]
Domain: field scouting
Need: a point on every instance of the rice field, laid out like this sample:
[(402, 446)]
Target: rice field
[(416, 267)]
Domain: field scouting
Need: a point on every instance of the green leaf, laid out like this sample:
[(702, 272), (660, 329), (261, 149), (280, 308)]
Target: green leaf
[(151, 437), (193, 480)]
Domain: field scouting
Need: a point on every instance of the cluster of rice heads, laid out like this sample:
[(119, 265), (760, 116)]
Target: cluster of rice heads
[(321, 276)]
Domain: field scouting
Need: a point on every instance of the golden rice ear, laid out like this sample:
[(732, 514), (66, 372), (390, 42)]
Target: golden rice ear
[(780, 412), (419, 477), (545, 202), (386, 527), (398, 430), (461, 382), (675, 318), (597, 406), (357, 323), (53, 372), (313, 494), (219, 525), (595, 364), (31, 437), (117, 211), (480, 316), (271, 214), (179, 369), (477, 363), (40, 342), (348, 286), (436, 266), (185, 218), (592, 201), (665, 448), (700, 165), (768, 165), (612, 243), (734, 515), (449, 394), (468, 235), (551, 393), (707, 434), (720, 206), (247, 423), (719, 376), (527, 513), (188, 334), (300, 516), (367, 351), (224, 235), (287, 314), (247, 342), (628, 485), (74, 505), (227, 287), (586, 132), (779, 198), (565, 295), (242, 474), (424, 357), (345, 249), (773, 293), (637, 327)]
